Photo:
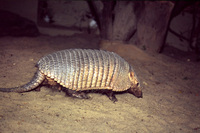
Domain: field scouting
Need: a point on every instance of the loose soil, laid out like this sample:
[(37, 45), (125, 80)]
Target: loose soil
[(170, 83)]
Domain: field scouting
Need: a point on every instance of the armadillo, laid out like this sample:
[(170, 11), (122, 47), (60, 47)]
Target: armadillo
[(79, 70)]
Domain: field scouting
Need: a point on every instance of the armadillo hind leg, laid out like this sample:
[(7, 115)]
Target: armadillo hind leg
[(76, 94), (50, 83), (35, 82)]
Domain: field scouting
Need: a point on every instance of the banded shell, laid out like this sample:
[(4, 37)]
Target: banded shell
[(85, 69)]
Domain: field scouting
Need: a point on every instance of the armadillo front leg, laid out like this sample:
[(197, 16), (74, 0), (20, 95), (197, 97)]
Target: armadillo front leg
[(111, 95)]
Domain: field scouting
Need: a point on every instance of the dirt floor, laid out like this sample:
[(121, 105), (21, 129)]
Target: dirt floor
[(170, 103)]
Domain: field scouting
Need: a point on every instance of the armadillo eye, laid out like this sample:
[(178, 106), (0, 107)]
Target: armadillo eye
[(137, 84)]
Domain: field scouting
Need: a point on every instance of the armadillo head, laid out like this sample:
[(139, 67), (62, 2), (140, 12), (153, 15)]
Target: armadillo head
[(135, 88)]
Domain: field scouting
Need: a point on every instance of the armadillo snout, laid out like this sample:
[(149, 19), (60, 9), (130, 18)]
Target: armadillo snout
[(136, 92), (135, 88)]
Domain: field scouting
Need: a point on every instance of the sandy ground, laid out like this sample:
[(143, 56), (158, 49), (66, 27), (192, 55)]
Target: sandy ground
[(170, 103)]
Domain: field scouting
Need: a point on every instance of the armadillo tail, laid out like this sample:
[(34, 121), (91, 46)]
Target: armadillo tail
[(35, 82)]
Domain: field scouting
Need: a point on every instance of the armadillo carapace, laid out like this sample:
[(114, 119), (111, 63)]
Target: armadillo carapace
[(78, 70)]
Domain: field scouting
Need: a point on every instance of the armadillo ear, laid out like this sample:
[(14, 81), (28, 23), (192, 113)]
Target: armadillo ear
[(131, 75)]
